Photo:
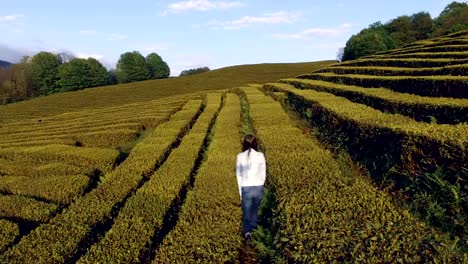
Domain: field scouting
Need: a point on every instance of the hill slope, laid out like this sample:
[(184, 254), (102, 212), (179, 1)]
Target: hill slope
[(145, 172), (4, 64), (154, 89), (401, 114)]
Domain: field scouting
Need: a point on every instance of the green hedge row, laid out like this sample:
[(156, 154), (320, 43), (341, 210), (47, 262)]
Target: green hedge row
[(209, 225), (67, 131), (434, 86), (393, 147), (409, 147), (58, 189), (412, 63), (422, 55), (428, 109), (30, 169), (8, 232), (143, 213), (58, 241), (100, 139), (24, 208), (434, 49), (93, 118), (455, 70), (326, 215), (102, 159)]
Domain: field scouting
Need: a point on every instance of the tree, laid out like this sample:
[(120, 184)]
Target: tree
[(99, 75), (82, 73), (44, 66), (194, 71), (401, 30), (371, 40), (112, 77), (452, 19), (74, 75), (132, 67), (158, 68), (23, 79), (422, 25)]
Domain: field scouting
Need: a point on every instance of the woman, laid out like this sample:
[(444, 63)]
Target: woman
[(251, 174)]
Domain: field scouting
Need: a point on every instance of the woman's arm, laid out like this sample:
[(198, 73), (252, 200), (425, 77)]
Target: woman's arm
[(262, 169), (239, 175)]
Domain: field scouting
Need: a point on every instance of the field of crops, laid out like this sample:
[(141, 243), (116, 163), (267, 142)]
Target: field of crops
[(147, 176)]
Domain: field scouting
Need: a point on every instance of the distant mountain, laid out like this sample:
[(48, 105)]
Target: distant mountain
[(5, 64)]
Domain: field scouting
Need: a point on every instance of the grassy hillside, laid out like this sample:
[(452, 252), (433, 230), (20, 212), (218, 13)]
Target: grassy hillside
[(403, 116), (366, 163), (155, 89)]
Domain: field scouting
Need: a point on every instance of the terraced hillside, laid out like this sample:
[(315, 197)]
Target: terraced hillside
[(140, 175), (404, 118)]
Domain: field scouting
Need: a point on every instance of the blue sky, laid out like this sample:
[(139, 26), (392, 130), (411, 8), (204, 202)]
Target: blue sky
[(194, 33)]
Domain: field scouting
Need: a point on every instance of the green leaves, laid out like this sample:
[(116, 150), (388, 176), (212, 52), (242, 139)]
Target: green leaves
[(325, 216)]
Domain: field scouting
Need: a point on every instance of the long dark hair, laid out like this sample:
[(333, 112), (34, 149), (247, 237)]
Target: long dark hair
[(250, 142)]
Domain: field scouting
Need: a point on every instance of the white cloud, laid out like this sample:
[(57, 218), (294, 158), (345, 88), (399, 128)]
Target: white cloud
[(89, 55), (200, 5), (115, 36), (13, 23), (317, 32), (281, 17), (10, 18), (88, 32)]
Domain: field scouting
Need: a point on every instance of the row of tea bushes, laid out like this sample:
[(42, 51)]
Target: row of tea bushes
[(25, 209), (8, 232), (326, 215), (428, 109), (209, 224), (435, 86), (60, 240), (143, 214)]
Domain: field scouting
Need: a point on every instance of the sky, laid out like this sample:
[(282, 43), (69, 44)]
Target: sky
[(194, 33)]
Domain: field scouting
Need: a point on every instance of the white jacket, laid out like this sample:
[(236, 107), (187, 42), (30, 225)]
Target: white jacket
[(250, 169)]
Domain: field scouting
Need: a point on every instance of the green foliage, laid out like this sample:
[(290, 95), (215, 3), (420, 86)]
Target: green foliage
[(102, 159), (404, 30), (328, 216), (110, 96), (24, 208), (452, 19), (82, 73), (132, 67), (23, 79), (408, 29), (158, 68), (45, 74), (369, 41), (394, 148), (435, 86), (59, 239), (144, 212), (194, 71), (62, 189), (205, 233), (421, 108), (8, 232)]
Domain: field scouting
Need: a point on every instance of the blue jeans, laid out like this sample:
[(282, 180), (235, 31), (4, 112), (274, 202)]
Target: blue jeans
[(251, 198)]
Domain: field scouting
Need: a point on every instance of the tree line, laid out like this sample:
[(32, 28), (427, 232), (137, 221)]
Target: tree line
[(47, 73), (403, 30), (194, 71)]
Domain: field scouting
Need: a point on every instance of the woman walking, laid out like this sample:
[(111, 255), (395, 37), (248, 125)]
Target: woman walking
[(251, 174)]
